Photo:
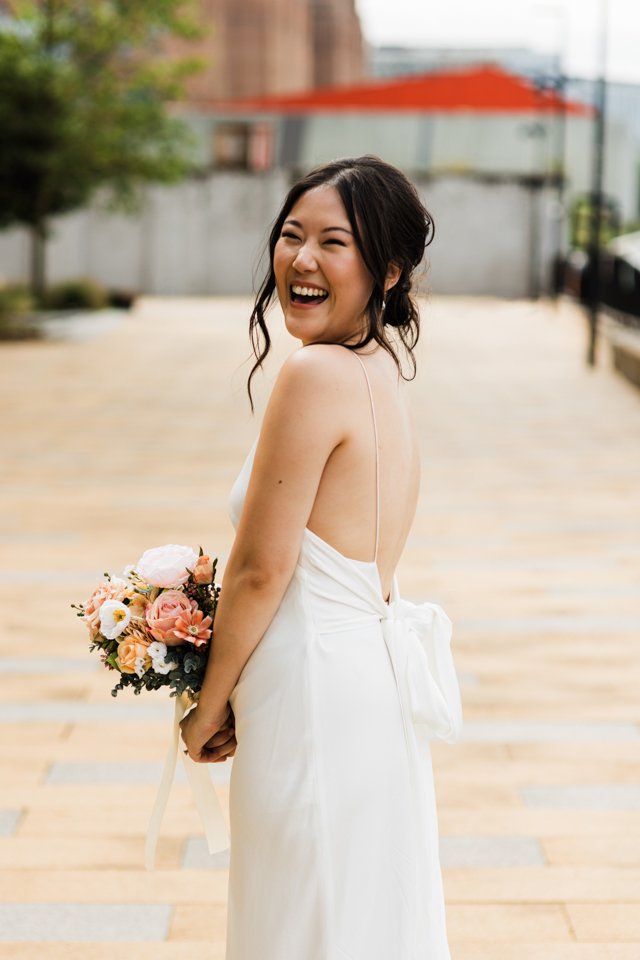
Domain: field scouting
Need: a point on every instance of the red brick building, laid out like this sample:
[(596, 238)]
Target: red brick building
[(261, 47)]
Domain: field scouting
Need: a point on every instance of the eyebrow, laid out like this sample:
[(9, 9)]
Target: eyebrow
[(296, 223)]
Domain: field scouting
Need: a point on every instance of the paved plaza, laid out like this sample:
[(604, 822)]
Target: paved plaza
[(127, 434)]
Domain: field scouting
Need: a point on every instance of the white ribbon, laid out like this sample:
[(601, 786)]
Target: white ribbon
[(418, 638), (205, 797)]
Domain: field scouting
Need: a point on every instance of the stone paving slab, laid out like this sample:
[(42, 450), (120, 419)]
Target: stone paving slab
[(522, 731), (510, 923), (527, 533), (135, 950), (73, 922), (616, 921), (604, 849), (500, 821), (470, 851), (87, 851), (29, 772), (545, 951), (126, 773), (9, 820), (187, 950), (547, 772), (183, 950), (113, 886), (604, 796), (47, 665), (545, 885), (74, 711), (192, 922)]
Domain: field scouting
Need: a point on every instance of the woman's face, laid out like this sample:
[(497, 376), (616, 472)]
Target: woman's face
[(322, 281)]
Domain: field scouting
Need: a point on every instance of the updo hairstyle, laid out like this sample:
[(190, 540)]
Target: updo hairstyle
[(390, 224)]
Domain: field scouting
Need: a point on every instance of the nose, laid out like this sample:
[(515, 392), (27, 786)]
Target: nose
[(305, 260)]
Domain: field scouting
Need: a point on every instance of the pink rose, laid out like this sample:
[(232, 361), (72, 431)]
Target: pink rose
[(203, 570), (163, 613)]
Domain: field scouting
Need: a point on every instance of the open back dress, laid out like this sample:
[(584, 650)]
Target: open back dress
[(334, 834)]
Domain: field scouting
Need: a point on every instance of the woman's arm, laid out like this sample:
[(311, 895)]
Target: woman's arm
[(303, 424)]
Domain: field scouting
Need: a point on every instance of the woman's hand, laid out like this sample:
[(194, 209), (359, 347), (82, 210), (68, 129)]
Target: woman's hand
[(210, 740)]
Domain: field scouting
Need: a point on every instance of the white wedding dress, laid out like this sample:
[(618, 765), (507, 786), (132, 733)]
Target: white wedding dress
[(334, 835)]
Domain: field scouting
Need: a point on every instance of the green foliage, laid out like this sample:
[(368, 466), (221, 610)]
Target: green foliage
[(187, 677), (84, 94), (631, 226), (16, 305), (15, 298), (83, 294), (581, 218)]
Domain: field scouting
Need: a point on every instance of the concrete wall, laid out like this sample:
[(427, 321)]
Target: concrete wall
[(205, 237), (491, 238), (201, 237)]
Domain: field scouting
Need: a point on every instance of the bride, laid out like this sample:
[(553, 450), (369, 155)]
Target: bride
[(324, 683)]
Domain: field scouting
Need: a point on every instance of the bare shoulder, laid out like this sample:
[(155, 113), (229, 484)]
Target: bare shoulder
[(317, 367)]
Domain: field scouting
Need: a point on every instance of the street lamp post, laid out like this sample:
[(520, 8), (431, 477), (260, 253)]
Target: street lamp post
[(555, 83), (597, 194)]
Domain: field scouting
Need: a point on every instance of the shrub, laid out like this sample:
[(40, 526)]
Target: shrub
[(16, 306), (83, 294), (122, 299)]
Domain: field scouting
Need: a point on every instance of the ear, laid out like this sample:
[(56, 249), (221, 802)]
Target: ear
[(392, 276)]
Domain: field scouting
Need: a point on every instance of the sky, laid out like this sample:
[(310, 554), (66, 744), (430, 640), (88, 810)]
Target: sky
[(566, 28)]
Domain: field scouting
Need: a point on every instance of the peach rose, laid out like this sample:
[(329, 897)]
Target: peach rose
[(133, 655), (114, 589), (163, 613), (203, 570)]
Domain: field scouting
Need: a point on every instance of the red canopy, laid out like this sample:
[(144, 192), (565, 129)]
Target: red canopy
[(484, 89)]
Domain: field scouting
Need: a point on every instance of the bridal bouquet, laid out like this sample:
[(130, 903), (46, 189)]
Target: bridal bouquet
[(153, 625)]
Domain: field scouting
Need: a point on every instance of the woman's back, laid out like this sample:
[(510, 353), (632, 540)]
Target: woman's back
[(351, 490), (331, 788)]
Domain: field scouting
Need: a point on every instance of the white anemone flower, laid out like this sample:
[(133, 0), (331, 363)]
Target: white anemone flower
[(158, 652), (114, 618)]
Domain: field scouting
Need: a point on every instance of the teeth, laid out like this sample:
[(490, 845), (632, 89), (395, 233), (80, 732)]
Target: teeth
[(308, 291)]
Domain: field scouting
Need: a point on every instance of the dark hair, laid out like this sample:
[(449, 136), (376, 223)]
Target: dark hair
[(390, 224)]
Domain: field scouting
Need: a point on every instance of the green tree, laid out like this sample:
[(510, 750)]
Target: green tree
[(85, 96)]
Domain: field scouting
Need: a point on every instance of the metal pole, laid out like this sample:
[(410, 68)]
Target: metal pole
[(597, 197)]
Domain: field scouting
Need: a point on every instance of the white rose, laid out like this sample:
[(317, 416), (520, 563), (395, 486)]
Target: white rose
[(166, 566), (114, 618)]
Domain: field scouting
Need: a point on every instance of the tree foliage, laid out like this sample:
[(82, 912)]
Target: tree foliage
[(84, 104)]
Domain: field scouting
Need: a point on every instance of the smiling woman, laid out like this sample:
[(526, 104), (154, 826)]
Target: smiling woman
[(336, 684), (353, 232), (321, 277)]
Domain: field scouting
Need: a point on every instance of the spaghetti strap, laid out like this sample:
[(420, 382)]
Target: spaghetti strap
[(375, 436)]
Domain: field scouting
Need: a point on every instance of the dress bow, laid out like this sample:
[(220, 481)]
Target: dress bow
[(418, 638)]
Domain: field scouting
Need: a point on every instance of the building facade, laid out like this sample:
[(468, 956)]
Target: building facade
[(261, 47), (338, 48)]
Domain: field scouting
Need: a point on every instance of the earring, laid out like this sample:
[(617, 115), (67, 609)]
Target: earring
[(384, 303)]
